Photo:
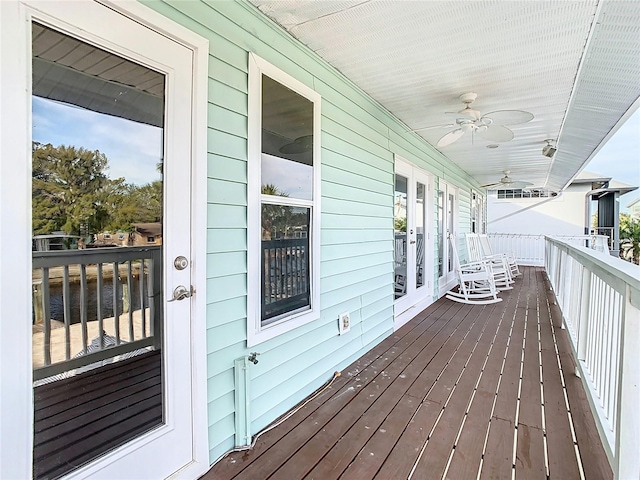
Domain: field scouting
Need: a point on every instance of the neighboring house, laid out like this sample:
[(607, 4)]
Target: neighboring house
[(146, 234), (567, 212), (119, 238), (238, 328)]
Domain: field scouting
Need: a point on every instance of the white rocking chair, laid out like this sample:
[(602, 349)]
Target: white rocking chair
[(485, 245), (499, 265), (476, 282)]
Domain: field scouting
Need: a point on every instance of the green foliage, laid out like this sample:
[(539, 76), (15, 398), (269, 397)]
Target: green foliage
[(400, 224), (70, 188), (67, 187), (280, 221), (630, 236)]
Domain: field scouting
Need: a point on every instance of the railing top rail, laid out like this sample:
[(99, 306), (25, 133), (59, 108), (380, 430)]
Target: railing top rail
[(623, 271), (110, 254)]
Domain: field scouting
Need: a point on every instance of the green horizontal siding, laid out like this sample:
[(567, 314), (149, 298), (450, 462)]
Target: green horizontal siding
[(359, 140)]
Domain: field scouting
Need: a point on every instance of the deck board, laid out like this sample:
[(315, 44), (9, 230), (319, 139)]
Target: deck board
[(441, 398)]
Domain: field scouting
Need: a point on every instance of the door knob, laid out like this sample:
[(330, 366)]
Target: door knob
[(181, 263), (180, 293)]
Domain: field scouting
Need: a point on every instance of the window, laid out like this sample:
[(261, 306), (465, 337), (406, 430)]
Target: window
[(529, 193), (477, 213), (284, 202)]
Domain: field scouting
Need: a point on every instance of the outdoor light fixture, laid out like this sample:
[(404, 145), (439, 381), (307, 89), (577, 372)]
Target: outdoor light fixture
[(549, 150)]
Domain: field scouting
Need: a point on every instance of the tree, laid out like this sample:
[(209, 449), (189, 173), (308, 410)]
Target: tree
[(130, 203), (630, 236), (68, 188)]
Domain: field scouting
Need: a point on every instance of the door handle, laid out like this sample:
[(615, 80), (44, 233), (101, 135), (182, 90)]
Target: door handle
[(412, 242), (180, 293)]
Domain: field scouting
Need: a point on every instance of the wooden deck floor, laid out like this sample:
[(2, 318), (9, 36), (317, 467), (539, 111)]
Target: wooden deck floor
[(460, 392)]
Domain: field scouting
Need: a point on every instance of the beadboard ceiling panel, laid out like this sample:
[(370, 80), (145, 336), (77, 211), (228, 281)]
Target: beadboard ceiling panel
[(574, 65)]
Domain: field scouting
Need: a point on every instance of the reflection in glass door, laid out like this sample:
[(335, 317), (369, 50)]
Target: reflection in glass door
[(400, 236), (97, 218), (446, 230), (411, 236)]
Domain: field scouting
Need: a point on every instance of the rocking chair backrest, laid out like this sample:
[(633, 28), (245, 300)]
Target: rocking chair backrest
[(474, 249), (485, 245)]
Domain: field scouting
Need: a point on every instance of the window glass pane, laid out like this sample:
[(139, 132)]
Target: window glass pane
[(287, 141), (441, 230), (400, 230), (421, 192), (285, 270)]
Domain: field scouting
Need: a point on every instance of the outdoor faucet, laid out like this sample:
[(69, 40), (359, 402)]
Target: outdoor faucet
[(252, 357)]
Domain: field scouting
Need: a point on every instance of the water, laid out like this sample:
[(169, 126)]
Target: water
[(57, 301)]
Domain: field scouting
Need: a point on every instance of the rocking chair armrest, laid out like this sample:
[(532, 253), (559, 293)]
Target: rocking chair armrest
[(473, 265)]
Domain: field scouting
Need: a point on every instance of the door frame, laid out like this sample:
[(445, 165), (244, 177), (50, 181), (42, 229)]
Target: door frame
[(417, 299), (448, 279), (16, 391)]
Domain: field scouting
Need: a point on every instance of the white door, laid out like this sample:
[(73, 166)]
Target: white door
[(412, 241), (102, 81), (447, 221)]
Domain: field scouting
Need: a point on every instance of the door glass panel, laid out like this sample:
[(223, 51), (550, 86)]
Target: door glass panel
[(450, 226), (97, 218), (400, 235), (441, 232), (420, 232)]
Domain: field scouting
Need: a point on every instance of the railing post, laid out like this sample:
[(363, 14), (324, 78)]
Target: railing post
[(584, 314), (628, 417)]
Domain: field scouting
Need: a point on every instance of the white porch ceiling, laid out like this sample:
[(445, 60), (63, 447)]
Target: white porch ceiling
[(574, 64)]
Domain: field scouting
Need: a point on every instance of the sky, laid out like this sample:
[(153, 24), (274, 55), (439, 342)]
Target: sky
[(133, 149), (620, 159)]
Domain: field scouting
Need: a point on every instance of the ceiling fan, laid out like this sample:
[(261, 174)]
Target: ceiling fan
[(299, 145), (490, 126), (507, 182)]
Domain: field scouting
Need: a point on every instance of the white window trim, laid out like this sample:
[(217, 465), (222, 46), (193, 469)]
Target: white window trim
[(256, 333)]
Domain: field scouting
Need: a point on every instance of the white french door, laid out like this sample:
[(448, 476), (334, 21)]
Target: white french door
[(447, 223), (413, 272), (77, 97)]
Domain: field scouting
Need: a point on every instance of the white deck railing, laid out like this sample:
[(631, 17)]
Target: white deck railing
[(599, 296), (529, 249)]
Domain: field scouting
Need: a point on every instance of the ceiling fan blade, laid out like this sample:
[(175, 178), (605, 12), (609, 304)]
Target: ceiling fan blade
[(509, 117), (491, 185), (446, 125), (450, 137), (496, 133)]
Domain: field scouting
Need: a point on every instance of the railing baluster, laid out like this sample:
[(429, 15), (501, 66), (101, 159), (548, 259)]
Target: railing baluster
[(151, 293), (66, 305), (99, 304), (46, 316), (158, 310), (83, 306), (130, 298), (143, 308), (116, 297)]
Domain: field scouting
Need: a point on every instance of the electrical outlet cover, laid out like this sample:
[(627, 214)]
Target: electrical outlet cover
[(344, 323)]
